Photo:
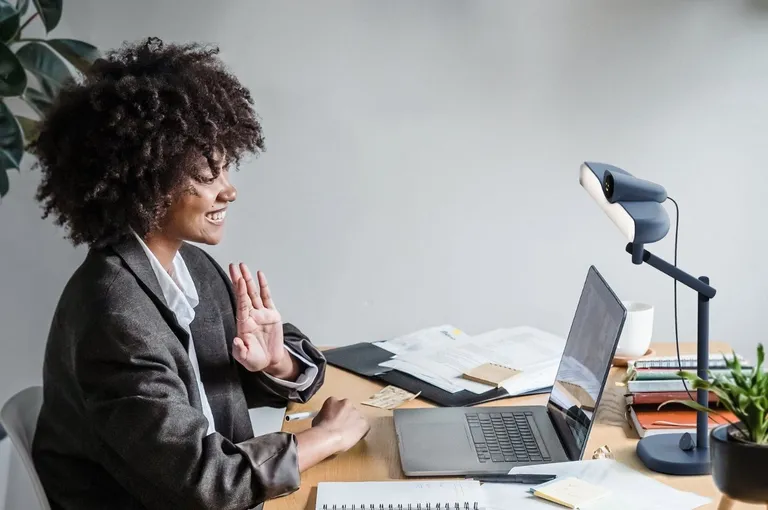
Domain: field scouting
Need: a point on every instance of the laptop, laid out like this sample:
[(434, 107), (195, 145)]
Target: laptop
[(467, 441)]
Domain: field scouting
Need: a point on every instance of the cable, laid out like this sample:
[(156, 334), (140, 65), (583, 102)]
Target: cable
[(677, 336)]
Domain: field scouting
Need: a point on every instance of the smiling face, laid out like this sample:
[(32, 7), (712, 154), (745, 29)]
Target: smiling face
[(198, 212)]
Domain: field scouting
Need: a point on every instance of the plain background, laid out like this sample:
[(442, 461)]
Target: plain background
[(422, 161)]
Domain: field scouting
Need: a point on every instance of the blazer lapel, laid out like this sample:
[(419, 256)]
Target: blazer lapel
[(213, 347), (132, 254)]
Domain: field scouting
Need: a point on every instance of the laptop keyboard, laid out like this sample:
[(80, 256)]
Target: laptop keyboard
[(506, 437)]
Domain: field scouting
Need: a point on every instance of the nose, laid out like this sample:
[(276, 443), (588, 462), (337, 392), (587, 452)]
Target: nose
[(229, 192)]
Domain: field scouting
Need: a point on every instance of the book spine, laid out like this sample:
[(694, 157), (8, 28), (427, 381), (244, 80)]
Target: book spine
[(657, 386), (662, 396), (656, 374)]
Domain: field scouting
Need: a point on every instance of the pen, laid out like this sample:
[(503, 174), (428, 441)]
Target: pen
[(300, 416), (533, 479)]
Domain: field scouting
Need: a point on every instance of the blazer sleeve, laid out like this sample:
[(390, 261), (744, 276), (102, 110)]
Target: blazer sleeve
[(149, 435), (262, 391)]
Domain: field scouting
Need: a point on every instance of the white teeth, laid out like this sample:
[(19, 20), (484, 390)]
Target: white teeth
[(217, 216)]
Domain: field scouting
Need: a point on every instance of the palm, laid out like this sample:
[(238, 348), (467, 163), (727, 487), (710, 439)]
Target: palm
[(259, 341)]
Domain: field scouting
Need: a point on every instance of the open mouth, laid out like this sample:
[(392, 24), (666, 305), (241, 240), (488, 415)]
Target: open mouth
[(216, 217)]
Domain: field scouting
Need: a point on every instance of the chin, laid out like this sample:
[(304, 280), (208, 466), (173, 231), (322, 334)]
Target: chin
[(208, 237), (212, 240)]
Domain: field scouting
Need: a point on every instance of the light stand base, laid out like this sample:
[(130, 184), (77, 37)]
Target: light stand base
[(662, 454)]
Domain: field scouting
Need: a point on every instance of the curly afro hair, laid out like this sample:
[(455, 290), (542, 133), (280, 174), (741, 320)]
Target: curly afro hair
[(114, 149)]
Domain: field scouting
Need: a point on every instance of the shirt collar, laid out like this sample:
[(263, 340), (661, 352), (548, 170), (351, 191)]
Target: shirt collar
[(179, 291)]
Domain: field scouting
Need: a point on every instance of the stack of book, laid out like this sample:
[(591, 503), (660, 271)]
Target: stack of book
[(651, 382)]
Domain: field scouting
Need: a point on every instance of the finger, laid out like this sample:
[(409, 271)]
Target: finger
[(243, 302), (239, 350), (253, 288), (234, 273), (266, 295)]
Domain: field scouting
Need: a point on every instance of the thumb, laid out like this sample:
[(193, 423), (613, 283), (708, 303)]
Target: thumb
[(239, 350)]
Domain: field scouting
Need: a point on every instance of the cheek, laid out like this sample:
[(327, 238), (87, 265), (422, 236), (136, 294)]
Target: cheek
[(198, 200), (187, 210)]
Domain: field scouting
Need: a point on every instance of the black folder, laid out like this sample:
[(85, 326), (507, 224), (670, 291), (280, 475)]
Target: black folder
[(363, 359)]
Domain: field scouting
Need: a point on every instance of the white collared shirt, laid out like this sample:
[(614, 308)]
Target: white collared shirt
[(181, 296)]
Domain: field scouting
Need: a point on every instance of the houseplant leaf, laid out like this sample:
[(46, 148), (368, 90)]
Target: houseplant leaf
[(11, 140), (80, 54), (4, 184), (38, 101), (696, 407), (44, 63), (50, 12), (13, 79), (30, 128), (10, 20)]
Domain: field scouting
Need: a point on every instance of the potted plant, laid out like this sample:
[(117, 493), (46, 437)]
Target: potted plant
[(739, 451), (32, 71)]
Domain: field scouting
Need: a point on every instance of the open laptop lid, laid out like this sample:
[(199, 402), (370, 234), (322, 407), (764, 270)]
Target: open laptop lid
[(585, 364)]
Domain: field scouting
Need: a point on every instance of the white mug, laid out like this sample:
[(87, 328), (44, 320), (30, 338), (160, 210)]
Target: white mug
[(638, 329)]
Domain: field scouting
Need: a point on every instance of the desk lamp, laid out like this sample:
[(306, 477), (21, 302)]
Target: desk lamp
[(634, 206)]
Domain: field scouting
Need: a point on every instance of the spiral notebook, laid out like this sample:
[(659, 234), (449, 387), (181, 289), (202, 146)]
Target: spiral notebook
[(442, 495)]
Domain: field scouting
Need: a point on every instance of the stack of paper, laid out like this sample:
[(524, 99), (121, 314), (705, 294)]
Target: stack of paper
[(441, 355), (629, 489)]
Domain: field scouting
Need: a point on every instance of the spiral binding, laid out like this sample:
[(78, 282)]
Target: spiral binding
[(418, 506)]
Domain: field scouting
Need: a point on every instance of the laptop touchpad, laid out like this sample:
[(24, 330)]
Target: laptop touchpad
[(438, 441)]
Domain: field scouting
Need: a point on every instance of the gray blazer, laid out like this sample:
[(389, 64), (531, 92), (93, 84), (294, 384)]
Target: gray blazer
[(122, 426)]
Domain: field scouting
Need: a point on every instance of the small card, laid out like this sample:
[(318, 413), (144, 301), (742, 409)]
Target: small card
[(390, 398), (570, 492), (491, 373)]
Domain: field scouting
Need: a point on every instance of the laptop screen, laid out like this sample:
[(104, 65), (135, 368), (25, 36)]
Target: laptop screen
[(585, 363)]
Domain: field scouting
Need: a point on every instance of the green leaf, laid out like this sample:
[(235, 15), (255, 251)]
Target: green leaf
[(21, 6), (50, 12), (10, 20), (45, 64), (4, 184), (80, 54), (697, 407), (30, 128), (38, 101), (11, 140), (13, 79)]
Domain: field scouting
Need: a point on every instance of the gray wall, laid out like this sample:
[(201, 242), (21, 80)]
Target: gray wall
[(423, 157)]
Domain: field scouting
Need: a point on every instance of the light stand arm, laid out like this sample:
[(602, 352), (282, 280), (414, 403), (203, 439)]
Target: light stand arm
[(655, 451)]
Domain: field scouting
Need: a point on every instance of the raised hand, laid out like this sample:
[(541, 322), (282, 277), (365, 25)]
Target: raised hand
[(259, 342)]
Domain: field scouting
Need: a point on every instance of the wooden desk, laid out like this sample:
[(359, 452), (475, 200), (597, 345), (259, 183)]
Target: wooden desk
[(377, 458)]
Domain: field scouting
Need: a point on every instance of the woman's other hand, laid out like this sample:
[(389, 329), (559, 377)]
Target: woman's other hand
[(336, 428), (343, 421), (259, 342)]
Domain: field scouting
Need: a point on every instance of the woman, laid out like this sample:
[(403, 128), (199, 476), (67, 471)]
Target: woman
[(154, 356)]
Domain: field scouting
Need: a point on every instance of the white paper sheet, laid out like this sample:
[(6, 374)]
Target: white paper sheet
[(630, 489), (534, 352), (424, 339), (408, 494), (424, 375), (520, 347)]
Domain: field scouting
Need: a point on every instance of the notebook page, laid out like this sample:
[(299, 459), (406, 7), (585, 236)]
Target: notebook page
[(630, 489), (570, 492), (361, 495)]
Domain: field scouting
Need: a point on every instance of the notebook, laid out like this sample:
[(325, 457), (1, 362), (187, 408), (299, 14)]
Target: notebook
[(419, 495), (648, 420), (570, 492), (687, 362), (491, 374)]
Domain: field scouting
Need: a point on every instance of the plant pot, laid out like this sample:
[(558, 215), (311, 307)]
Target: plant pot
[(739, 467)]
